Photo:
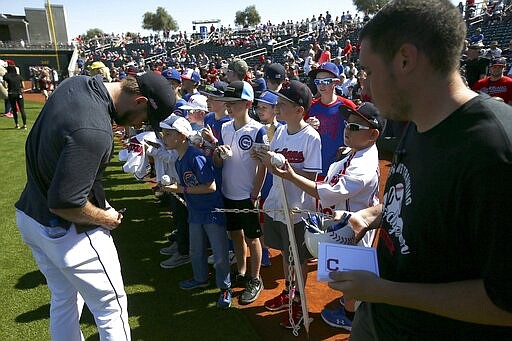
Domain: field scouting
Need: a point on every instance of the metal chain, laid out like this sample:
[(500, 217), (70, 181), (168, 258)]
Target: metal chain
[(257, 210)]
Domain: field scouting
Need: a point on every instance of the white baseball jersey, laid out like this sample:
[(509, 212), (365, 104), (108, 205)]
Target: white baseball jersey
[(303, 151), (352, 184), (239, 170)]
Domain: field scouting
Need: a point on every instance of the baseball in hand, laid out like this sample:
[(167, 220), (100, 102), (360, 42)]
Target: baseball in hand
[(166, 180), (277, 160)]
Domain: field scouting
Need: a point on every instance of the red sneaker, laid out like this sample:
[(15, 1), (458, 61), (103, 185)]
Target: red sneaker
[(279, 302), (296, 317)]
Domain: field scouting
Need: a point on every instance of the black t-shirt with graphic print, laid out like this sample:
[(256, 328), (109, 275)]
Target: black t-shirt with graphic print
[(445, 218)]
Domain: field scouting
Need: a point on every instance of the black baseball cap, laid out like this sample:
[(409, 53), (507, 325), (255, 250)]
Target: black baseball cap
[(276, 72), (297, 93), (160, 95), (367, 111)]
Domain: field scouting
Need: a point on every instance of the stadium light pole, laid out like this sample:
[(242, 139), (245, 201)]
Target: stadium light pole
[(54, 37)]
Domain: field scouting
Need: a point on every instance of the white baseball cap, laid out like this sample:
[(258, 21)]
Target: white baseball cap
[(175, 122), (196, 102)]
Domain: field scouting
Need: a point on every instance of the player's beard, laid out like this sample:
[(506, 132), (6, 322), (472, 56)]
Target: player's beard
[(127, 118)]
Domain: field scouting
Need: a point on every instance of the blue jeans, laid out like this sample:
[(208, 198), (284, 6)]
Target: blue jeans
[(218, 238)]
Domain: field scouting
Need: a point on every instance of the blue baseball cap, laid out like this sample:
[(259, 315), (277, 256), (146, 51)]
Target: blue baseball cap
[(238, 91), (260, 85), (268, 97), (172, 74), (325, 67)]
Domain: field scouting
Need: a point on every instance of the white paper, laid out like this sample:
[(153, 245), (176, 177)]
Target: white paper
[(339, 257)]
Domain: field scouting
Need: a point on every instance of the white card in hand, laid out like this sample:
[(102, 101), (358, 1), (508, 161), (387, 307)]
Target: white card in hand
[(339, 257)]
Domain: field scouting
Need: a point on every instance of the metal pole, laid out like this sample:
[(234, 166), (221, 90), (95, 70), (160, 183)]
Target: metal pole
[(54, 38)]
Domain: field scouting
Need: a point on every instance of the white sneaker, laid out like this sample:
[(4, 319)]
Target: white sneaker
[(175, 261), (169, 250), (231, 257)]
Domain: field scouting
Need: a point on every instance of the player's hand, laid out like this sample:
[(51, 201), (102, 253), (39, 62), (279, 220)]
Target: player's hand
[(314, 122), (113, 218), (265, 158), (358, 284)]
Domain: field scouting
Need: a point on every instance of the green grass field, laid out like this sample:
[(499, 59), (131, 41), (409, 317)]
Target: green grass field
[(158, 309)]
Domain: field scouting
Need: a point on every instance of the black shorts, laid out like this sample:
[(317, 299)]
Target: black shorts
[(249, 222)]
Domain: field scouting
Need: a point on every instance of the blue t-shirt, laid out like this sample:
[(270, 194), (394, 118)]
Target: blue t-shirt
[(195, 169), (331, 130)]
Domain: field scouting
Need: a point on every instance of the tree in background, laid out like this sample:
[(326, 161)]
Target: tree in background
[(369, 6), (93, 33), (248, 17), (159, 21)]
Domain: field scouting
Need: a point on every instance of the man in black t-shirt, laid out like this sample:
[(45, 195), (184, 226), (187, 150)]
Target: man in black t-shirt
[(63, 214), (476, 66), (444, 248), (14, 84)]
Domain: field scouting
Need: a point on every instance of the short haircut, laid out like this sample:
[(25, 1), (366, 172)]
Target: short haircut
[(130, 86), (435, 27)]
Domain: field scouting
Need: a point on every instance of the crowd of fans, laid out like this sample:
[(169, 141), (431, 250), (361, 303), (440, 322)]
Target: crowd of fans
[(329, 67)]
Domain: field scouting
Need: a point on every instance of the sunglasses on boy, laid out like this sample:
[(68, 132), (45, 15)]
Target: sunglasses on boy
[(325, 81), (355, 127)]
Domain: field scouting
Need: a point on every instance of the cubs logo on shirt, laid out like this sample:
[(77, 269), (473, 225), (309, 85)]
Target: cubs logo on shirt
[(190, 179), (245, 142)]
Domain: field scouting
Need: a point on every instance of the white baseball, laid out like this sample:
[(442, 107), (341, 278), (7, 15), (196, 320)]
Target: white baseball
[(166, 180), (227, 154), (277, 160)]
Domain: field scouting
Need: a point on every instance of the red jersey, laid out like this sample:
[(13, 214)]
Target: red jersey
[(500, 88)]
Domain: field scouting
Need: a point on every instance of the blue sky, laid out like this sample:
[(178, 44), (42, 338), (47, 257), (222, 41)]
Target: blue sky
[(122, 16)]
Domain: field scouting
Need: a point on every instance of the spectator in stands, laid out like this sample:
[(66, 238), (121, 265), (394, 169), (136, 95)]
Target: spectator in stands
[(325, 56), (494, 51), (347, 50), (478, 37), (237, 70), (496, 85), (275, 76), (308, 61), (475, 65), (324, 112)]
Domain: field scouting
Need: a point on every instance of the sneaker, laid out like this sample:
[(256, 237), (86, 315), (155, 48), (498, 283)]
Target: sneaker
[(169, 250), (224, 298), (231, 256), (16, 126), (265, 258), (238, 280), (279, 302), (252, 291), (191, 284), (336, 318), (24, 127), (296, 317), (9, 114), (175, 261)]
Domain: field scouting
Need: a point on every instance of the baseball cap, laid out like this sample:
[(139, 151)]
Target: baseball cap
[(172, 74), (196, 102), (160, 95), (97, 65), (297, 93), (238, 91), (367, 111), (275, 71), (239, 66), (175, 122), (268, 97), (325, 67), (259, 86), (122, 75), (177, 107), (213, 90), (500, 62), (191, 75)]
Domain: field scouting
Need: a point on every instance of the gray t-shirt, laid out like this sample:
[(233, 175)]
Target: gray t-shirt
[(67, 150)]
